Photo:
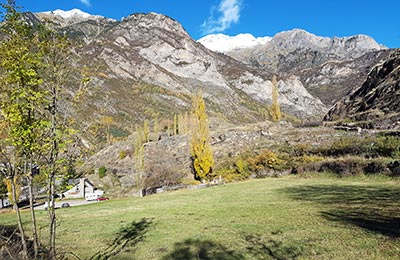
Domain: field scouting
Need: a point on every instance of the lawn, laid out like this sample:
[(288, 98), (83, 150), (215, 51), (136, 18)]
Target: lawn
[(274, 218)]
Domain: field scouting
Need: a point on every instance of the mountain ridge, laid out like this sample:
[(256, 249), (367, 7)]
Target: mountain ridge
[(292, 39)]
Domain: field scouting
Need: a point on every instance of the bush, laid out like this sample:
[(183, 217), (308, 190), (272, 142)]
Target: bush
[(122, 154), (265, 159), (102, 172), (388, 146)]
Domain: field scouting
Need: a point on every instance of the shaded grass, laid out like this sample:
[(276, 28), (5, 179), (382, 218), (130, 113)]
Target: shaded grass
[(374, 208), (274, 218)]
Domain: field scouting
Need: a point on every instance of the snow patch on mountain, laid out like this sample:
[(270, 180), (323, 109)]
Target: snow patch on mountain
[(69, 14), (224, 43)]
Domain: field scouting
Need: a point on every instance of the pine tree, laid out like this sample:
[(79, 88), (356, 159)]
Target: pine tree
[(275, 107), (200, 148)]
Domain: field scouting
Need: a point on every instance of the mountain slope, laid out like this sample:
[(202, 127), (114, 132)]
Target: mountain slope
[(377, 102), (147, 64), (329, 68)]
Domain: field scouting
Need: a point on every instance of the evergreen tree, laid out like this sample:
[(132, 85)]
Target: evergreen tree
[(200, 147)]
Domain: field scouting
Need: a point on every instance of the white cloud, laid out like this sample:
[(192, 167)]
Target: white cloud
[(228, 14), (85, 2)]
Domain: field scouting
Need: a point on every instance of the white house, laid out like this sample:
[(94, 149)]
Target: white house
[(84, 189)]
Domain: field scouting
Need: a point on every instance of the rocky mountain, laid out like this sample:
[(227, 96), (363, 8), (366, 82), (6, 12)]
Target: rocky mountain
[(298, 49), (329, 68), (148, 66), (76, 23), (333, 80), (376, 104)]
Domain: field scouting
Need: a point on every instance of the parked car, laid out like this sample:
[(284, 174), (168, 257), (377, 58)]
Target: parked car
[(102, 198), (65, 205)]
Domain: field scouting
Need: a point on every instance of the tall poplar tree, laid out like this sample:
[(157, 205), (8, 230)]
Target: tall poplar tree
[(275, 107), (200, 147)]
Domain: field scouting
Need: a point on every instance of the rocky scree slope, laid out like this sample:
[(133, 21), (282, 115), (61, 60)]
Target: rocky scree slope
[(376, 104)]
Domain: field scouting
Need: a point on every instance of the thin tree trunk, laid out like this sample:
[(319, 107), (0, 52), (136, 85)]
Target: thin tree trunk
[(53, 162), (52, 218), (20, 226), (33, 217)]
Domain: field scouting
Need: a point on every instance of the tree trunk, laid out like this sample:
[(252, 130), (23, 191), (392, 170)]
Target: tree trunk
[(52, 218), (51, 180), (33, 217), (20, 226)]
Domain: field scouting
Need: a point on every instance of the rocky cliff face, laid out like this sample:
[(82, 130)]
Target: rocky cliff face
[(333, 80), (377, 102)]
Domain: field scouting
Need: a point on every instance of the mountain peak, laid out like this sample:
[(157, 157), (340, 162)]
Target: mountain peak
[(224, 43), (69, 14), (69, 17)]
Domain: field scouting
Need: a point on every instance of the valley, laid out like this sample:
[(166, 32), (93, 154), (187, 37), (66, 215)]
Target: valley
[(226, 147)]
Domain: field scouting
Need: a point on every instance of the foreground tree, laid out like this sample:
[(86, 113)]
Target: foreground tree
[(21, 103), (61, 142), (34, 114), (200, 147)]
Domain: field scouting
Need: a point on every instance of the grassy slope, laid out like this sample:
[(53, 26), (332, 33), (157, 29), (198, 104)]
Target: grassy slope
[(308, 218)]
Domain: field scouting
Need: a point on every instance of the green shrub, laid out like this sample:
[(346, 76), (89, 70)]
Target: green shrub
[(242, 167), (388, 146), (102, 172)]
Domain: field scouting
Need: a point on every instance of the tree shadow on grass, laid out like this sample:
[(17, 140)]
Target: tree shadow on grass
[(127, 237), (255, 247), (195, 249), (268, 248), (374, 208)]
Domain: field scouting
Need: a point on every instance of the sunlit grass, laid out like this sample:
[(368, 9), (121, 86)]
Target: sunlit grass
[(274, 218)]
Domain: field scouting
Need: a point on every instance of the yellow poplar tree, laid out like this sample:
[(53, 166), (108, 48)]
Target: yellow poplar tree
[(200, 147), (146, 131), (139, 158), (156, 128), (275, 108)]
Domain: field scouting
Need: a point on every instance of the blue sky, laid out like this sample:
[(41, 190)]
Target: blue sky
[(379, 19)]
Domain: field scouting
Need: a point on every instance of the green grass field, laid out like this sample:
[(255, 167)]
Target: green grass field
[(274, 218)]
